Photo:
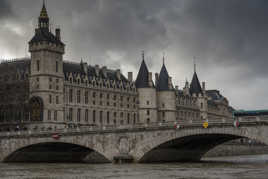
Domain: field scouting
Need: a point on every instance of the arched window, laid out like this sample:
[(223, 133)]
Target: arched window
[(36, 109)]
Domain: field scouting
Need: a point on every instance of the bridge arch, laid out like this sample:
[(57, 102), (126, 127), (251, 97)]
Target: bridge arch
[(191, 144), (68, 149)]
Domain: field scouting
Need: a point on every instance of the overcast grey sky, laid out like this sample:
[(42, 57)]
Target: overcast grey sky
[(228, 37)]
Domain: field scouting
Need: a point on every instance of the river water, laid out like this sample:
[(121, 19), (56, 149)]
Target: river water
[(240, 167)]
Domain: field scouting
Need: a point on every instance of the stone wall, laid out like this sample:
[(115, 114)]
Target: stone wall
[(237, 149)]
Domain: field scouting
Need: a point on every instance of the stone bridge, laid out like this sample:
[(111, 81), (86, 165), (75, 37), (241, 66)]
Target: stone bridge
[(165, 143)]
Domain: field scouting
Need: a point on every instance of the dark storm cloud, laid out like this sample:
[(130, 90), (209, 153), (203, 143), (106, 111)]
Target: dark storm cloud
[(5, 9), (229, 38)]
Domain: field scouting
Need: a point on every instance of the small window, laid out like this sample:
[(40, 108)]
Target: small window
[(78, 115), (38, 65), (94, 116), (148, 112), (70, 114), (57, 100), (78, 96), (148, 102), (70, 95), (86, 97), (55, 115), (57, 66), (49, 115), (86, 115), (108, 117), (50, 98)]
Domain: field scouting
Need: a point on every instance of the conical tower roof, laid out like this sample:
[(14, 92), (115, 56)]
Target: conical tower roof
[(195, 86), (142, 80), (43, 13), (162, 83)]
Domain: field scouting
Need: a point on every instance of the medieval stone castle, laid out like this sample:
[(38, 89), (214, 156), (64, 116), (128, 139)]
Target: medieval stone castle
[(45, 92)]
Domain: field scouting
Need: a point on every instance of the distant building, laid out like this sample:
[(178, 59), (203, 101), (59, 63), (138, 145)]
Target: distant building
[(45, 92)]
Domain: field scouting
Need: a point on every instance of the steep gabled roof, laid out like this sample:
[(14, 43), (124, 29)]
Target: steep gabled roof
[(142, 80), (162, 83), (195, 86)]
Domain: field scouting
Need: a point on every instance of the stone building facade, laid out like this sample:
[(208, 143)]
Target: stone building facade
[(45, 92)]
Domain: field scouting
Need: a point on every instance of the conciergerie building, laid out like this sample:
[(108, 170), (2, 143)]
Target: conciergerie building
[(45, 92)]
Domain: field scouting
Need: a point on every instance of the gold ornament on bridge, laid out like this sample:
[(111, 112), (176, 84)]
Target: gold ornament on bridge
[(205, 125)]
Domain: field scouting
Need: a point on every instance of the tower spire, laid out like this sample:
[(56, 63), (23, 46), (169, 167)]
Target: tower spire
[(163, 58), (194, 64), (43, 21)]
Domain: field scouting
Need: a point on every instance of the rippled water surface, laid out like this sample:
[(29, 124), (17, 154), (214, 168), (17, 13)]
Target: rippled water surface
[(243, 167)]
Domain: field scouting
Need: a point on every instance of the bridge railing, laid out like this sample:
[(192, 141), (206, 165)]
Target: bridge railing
[(156, 125)]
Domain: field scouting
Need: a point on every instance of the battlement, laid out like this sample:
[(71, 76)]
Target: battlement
[(53, 47)]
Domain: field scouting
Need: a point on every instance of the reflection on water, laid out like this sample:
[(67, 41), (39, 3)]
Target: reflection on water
[(242, 167)]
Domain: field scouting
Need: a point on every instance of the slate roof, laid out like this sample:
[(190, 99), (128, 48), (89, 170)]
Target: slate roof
[(162, 83), (43, 35), (142, 80), (22, 65), (77, 68), (214, 94), (195, 86)]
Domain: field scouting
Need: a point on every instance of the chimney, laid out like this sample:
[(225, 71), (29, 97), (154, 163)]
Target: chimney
[(169, 82), (104, 71), (84, 67), (97, 70), (130, 76), (150, 80), (118, 74), (203, 86), (58, 34)]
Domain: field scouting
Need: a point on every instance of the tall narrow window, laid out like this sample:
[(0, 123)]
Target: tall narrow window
[(128, 118), (86, 115), (101, 117), (57, 66), (49, 115), (94, 116), (70, 95), (86, 97), (78, 115), (78, 96), (70, 114), (50, 98), (38, 65), (57, 99), (108, 117), (55, 115)]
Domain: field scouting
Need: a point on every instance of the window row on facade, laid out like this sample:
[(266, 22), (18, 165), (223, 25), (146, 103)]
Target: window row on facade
[(79, 115)]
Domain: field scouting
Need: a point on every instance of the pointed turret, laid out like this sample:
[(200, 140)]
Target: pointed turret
[(43, 21), (164, 81), (42, 33), (142, 80), (195, 87)]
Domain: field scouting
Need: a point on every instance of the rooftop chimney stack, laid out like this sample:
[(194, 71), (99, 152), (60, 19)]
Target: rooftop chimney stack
[(130, 76), (150, 79), (58, 34)]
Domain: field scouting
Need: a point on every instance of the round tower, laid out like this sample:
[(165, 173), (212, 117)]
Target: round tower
[(146, 95), (166, 96)]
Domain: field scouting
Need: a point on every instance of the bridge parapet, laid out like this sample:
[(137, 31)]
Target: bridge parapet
[(139, 127)]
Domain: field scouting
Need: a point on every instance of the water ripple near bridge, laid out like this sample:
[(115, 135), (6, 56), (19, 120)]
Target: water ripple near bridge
[(243, 167)]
